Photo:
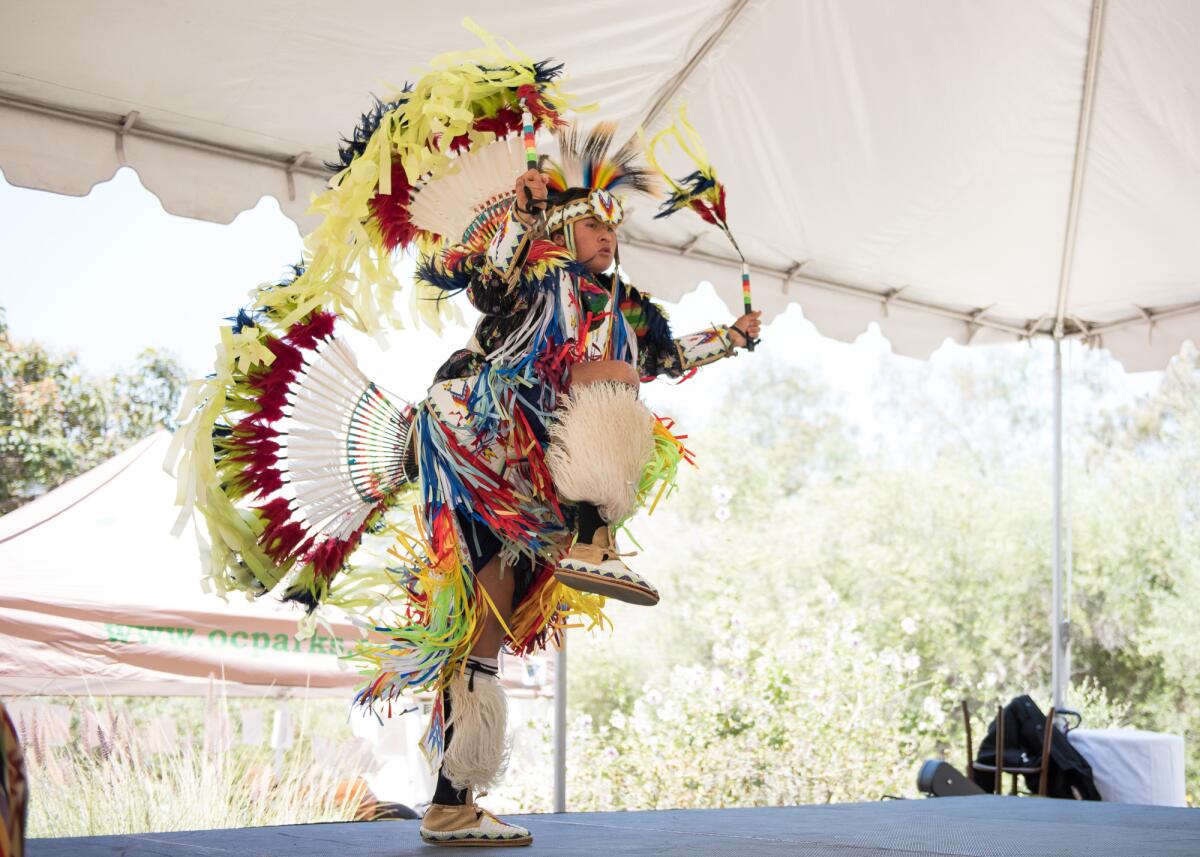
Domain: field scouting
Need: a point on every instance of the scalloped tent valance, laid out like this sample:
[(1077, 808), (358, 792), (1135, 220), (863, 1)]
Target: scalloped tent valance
[(980, 172)]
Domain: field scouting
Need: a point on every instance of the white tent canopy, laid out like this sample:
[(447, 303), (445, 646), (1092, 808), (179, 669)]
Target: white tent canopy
[(978, 171), (97, 597)]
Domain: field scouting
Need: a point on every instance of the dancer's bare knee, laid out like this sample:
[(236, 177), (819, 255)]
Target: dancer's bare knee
[(603, 370)]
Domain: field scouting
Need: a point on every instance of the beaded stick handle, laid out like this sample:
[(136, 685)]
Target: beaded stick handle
[(531, 157), (750, 343)]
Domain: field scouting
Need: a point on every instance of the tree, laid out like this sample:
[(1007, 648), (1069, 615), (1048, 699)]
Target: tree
[(932, 545), (57, 421)]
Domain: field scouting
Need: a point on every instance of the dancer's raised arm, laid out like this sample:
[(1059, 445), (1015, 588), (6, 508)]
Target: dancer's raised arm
[(662, 353)]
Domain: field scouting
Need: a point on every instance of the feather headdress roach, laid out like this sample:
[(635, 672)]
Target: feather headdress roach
[(584, 162), (583, 179)]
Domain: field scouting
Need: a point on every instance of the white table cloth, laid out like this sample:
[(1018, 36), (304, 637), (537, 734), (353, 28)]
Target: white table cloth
[(1132, 766)]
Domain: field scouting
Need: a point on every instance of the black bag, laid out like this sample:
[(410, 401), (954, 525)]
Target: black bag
[(1070, 775)]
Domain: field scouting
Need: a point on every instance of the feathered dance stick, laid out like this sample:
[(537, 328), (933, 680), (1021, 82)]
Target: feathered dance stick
[(700, 191)]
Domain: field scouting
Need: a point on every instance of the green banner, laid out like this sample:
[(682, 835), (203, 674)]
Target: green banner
[(217, 638)]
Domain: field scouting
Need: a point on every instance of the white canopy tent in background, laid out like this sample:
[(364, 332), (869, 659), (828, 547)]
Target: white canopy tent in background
[(98, 598), (982, 172)]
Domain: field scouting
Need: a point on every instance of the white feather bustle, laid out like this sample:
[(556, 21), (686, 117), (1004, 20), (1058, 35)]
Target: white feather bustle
[(601, 441), (478, 754), (478, 178), (326, 407)]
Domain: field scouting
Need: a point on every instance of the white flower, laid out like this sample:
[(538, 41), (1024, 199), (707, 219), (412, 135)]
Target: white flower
[(930, 706), (912, 662), (722, 513), (722, 494), (989, 679), (908, 625), (716, 683), (617, 720), (611, 752)]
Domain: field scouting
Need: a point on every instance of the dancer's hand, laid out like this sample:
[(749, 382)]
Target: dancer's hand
[(530, 185), (748, 323)]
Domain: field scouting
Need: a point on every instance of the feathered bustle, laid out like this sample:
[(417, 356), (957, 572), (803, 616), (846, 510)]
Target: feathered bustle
[(368, 124)]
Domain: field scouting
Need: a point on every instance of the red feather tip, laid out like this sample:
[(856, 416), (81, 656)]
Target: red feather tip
[(704, 210), (542, 110), (390, 211)]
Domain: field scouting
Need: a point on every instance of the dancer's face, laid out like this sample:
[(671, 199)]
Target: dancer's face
[(595, 244)]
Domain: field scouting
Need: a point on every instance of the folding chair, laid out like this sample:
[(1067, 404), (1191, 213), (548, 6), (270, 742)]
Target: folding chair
[(1042, 770)]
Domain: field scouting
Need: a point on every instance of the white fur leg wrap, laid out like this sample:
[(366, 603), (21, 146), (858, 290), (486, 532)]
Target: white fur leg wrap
[(477, 753), (600, 444)]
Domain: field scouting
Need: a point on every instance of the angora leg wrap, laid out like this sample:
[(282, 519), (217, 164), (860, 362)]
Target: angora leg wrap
[(601, 442), (478, 754)]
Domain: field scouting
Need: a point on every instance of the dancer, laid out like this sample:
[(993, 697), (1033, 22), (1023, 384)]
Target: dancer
[(528, 450), (600, 437)]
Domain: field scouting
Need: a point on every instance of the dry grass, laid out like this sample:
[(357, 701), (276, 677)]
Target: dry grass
[(111, 780)]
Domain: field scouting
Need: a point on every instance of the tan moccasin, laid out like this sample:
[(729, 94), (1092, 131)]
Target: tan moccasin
[(470, 824), (597, 568)]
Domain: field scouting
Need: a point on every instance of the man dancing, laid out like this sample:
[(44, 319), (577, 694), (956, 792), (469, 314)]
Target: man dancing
[(528, 450), (598, 441)]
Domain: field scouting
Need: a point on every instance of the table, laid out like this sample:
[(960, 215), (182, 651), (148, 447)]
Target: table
[(1132, 766)]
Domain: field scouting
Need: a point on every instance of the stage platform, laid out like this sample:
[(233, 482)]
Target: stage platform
[(949, 827)]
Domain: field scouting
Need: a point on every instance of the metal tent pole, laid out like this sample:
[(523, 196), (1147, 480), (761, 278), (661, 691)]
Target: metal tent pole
[(1060, 665), (1059, 629), (560, 726)]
